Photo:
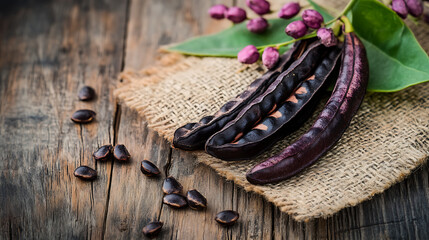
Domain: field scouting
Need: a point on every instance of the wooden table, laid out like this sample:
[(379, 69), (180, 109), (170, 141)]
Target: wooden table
[(48, 50)]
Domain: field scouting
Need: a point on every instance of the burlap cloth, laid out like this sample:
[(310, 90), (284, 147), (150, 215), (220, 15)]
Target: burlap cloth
[(386, 140)]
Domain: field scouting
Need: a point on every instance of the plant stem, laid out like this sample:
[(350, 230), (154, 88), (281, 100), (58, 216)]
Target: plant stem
[(344, 12), (277, 45)]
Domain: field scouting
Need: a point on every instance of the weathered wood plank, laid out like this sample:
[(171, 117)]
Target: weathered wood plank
[(145, 34), (259, 219), (49, 50)]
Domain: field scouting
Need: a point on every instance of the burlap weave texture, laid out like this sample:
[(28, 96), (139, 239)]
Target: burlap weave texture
[(386, 140)]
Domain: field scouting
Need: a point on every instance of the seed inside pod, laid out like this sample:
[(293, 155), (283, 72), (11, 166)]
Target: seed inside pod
[(103, 153), (86, 93), (196, 200), (152, 229), (175, 200), (171, 185), (121, 153), (227, 217), (149, 169), (83, 116), (85, 173)]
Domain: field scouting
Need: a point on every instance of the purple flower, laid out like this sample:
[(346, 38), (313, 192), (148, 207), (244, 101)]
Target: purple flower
[(236, 14), (257, 25), (270, 57), (400, 8), (327, 37), (248, 55), (289, 10), (218, 11), (260, 7), (312, 18), (296, 29), (415, 7)]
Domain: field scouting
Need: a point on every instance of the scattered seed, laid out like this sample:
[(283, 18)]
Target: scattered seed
[(227, 218), (121, 153), (196, 200), (171, 185), (152, 229), (175, 200), (83, 116), (86, 93), (85, 173), (149, 169), (103, 153)]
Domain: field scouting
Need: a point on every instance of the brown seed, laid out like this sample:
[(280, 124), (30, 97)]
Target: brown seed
[(121, 153), (171, 185), (227, 218), (103, 153), (83, 116), (152, 229), (175, 200), (86, 93), (85, 173), (149, 169), (196, 200)]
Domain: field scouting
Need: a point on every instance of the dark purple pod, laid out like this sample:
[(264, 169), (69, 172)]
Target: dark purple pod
[(296, 29), (175, 200), (193, 136), (257, 25), (266, 103), (236, 14), (312, 18), (287, 117), (329, 126), (85, 173), (289, 10), (260, 7), (103, 153), (218, 11), (415, 7), (152, 229)]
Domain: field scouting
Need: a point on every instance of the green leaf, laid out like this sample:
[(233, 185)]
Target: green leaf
[(396, 59), (230, 41)]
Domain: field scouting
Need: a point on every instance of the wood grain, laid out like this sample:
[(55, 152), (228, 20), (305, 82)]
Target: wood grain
[(48, 51)]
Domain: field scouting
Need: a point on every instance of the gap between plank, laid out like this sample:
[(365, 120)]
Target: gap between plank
[(116, 122), (117, 115), (166, 168)]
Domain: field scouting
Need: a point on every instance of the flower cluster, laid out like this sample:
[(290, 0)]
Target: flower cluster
[(405, 7), (297, 29), (238, 15)]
